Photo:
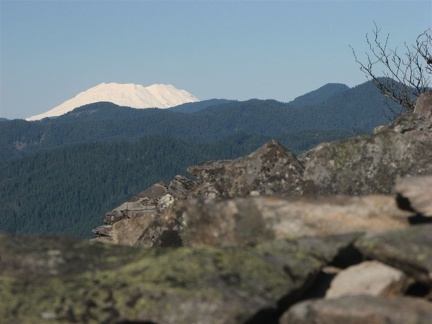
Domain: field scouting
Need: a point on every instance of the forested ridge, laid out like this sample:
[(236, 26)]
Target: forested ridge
[(60, 176), (68, 190), (361, 109)]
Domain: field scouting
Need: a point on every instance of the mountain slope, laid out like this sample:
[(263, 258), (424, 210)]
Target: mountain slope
[(60, 175), (67, 191), (128, 95), (359, 109), (320, 95), (192, 107)]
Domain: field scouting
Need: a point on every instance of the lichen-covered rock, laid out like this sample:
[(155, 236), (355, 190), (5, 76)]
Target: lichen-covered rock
[(39, 257), (58, 280), (272, 169), (368, 164), (139, 221), (409, 250), (145, 203), (360, 309), (371, 164), (180, 187), (251, 220)]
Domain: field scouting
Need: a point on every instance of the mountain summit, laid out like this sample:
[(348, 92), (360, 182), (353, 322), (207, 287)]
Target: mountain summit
[(129, 95)]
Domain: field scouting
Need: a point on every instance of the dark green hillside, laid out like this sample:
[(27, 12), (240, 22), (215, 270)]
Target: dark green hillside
[(367, 106), (320, 95), (360, 108), (67, 191), (98, 111), (200, 105), (61, 175)]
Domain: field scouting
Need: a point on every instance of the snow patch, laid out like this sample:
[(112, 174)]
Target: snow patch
[(128, 95)]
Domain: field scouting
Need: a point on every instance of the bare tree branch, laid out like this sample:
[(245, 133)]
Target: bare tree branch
[(405, 76)]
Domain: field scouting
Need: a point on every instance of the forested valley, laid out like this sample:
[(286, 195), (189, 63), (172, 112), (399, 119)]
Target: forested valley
[(60, 176)]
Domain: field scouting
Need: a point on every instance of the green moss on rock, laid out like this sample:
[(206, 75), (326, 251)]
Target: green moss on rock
[(182, 285)]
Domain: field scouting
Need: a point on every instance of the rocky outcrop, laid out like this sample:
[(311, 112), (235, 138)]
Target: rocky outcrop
[(368, 164), (371, 164), (341, 234), (140, 221), (269, 170)]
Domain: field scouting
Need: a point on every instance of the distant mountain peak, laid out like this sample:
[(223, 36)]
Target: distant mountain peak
[(320, 95), (126, 94)]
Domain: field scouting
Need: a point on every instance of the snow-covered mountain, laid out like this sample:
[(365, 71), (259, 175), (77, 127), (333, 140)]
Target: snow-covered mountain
[(128, 95)]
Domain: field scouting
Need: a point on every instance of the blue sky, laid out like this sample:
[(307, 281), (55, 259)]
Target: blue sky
[(52, 50)]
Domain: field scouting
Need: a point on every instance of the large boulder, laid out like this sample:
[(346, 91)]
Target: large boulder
[(139, 220), (368, 278), (251, 220), (272, 169), (145, 203), (372, 163), (47, 280), (409, 250), (367, 164)]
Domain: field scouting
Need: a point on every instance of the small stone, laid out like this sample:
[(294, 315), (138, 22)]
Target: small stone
[(369, 278), (418, 191), (408, 249)]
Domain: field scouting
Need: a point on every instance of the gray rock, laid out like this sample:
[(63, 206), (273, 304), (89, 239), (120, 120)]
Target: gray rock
[(368, 278), (368, 164), (41, 257), (77, 281), (418, 192), (360, 309), (251, 220), (409, 250), (371, 164), (424, 105), (145, 203), (269, 170), (129, 230), (413, 126), (137, 221), (103, 230), (180, 187)]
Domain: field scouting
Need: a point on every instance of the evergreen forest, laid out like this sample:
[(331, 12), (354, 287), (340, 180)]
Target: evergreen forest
[(60, 176)]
